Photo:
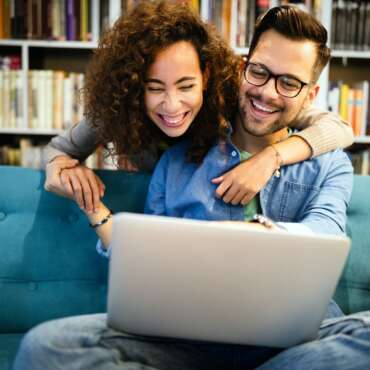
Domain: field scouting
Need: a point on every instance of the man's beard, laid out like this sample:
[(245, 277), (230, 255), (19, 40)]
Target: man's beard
[(255, 128)]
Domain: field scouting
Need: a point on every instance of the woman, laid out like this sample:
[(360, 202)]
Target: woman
[(115, 110)]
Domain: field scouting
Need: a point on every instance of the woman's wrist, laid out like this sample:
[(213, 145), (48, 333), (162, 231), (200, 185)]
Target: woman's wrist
[(97, 217), (102, 221), (272, 158), (278, 160)]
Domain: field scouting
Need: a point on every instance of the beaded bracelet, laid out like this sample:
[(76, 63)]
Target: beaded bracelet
[(103, 221), (279, 161)]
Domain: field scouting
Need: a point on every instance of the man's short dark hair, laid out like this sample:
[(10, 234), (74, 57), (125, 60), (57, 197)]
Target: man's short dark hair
[(295, 24)]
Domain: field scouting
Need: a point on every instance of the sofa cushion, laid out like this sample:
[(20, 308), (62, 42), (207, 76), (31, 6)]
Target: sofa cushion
[(48, 264)]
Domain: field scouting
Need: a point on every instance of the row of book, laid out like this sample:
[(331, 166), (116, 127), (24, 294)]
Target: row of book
[(11, 91), (247, 11), (61, 20), (351, 102), (350, 28), (26, 154), (54, 99), (46, 19), (360, 162), (110, 10)]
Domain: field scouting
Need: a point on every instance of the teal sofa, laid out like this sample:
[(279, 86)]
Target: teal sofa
[(49, 267)]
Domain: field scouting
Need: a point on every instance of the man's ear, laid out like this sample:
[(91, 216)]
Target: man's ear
[(312, 93)]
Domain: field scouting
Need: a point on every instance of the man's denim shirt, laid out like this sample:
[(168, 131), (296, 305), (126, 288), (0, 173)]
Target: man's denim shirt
[(308, 196)]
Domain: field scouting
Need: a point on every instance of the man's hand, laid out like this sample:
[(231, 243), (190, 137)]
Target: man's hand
[(243, 182), (65, 177)]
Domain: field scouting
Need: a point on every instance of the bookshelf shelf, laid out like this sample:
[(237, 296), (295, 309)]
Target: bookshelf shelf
[(47, 56), (362, 139), (50, 44), (30, 131), (356, 54), (241, 51)]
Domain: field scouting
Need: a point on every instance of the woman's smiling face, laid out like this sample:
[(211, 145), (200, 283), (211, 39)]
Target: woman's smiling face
[(174, 88)]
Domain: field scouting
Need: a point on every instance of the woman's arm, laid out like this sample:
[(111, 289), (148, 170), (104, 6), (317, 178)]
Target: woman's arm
[(102, 223), (78, 142), (321, 132), (67, 151)]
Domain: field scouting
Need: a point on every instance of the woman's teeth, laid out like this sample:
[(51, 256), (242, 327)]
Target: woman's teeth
[(173, 120)]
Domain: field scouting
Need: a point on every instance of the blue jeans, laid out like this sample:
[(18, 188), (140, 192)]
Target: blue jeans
[(85, 342)]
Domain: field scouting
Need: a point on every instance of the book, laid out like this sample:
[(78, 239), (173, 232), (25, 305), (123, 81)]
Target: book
[(343, 101)]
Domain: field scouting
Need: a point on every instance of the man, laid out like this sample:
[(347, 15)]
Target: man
[(284, 63)]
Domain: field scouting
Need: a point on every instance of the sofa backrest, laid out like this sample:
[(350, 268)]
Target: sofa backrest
[(48, 264), (353, 291), (49, 267)]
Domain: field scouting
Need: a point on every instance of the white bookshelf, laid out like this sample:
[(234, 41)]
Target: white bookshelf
[(30, 131), (362, 139), (27, 47)]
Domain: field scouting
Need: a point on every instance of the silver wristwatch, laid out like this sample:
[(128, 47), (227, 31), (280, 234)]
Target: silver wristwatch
[(265, 221)]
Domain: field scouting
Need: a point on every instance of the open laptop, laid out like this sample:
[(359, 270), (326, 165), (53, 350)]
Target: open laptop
[(211, 281)]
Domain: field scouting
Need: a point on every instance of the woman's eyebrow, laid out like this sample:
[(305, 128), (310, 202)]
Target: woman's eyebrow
[(188, 78), (182, 79)]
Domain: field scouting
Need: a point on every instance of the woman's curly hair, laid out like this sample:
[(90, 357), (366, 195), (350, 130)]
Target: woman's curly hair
[(115, 80)]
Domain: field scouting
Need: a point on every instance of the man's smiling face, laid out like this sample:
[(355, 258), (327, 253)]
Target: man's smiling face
[(262, 110)]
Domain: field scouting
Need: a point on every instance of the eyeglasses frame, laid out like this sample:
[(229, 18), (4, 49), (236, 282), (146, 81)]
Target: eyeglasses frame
[(275, 77)]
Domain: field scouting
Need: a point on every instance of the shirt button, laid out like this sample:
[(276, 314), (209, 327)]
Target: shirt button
[(234, 153)]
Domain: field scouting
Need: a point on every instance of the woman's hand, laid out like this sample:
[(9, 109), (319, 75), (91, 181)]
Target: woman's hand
[(66, 177), (243, 182)]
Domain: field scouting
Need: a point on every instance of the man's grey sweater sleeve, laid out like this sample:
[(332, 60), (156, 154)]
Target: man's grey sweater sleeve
[(78, 142)]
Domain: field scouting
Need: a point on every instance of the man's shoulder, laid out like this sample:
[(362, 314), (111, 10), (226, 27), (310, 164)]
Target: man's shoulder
[(333, 155), (324, 163)]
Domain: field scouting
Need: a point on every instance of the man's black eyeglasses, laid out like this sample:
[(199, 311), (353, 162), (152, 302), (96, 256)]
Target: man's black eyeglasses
[(285, 85)]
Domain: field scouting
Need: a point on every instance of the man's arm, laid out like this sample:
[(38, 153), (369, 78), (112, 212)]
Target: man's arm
[(326, 212)]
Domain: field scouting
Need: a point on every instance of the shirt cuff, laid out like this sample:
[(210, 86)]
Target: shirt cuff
[(104, 252)]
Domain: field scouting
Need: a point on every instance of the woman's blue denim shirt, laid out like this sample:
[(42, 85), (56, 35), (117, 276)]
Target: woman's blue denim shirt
[(308, 196)]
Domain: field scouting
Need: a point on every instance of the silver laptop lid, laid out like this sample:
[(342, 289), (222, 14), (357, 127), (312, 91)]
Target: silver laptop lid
[(219, 282)]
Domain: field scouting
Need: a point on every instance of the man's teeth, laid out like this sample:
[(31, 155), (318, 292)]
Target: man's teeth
[(262, 108), (174, 119)]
